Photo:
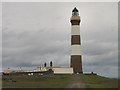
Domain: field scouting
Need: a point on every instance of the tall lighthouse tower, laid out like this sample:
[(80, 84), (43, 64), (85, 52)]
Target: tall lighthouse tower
[(76, 57)]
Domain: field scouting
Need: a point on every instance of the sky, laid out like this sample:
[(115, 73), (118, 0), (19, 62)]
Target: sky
[(0, 36), (35, 33)]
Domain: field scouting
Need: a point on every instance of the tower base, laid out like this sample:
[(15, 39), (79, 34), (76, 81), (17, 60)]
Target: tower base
[(76, 63)]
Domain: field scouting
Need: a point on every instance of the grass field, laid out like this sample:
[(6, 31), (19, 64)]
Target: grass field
[(56, 81), (24, 81), (95, 81), (0, 81)]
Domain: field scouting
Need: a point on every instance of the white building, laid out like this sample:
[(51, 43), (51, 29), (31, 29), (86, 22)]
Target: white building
[(63, 70)]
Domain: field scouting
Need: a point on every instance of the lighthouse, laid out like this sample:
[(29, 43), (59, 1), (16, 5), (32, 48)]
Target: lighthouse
[(76, 57)]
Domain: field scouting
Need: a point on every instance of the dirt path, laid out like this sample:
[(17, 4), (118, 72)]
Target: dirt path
[(77, 82)]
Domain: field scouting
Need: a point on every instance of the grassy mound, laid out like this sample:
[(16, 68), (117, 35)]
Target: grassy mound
[(95, 81), (56, 81), (24, 81)]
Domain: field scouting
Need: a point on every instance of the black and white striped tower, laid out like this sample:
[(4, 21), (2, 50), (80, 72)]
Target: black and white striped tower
[(76, 57)]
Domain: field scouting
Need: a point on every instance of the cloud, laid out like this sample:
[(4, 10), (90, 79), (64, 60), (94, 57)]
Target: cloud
[(34, 48), (34, 33)]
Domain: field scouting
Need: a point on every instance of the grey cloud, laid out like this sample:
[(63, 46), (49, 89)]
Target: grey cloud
[(92, 47), (34, 33)]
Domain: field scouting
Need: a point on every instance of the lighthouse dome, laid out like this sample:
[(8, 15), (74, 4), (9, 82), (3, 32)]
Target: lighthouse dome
[(75, 10)]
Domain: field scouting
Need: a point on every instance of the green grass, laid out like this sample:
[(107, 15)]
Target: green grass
[(0, 81), (95, 81), (56, 81)]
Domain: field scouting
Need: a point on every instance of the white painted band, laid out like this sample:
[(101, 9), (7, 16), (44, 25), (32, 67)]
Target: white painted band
[(75, 50), (75, 30)]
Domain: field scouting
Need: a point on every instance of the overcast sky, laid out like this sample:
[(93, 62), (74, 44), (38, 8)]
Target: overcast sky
[(34, 33)]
